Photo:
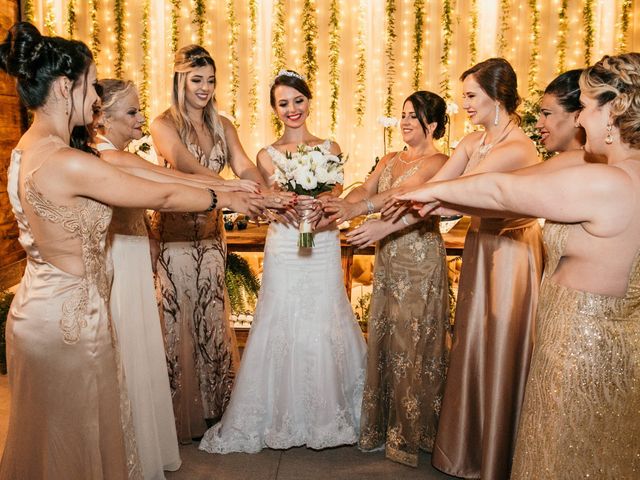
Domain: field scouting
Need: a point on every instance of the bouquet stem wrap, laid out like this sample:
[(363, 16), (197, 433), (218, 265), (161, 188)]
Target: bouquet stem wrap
[(305, 239)]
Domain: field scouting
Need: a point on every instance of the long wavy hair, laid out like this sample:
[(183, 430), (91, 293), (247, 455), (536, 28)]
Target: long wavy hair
[(186, 60)]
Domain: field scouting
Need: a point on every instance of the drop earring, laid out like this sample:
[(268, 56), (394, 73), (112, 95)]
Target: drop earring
[(496, 119), (608, 139)]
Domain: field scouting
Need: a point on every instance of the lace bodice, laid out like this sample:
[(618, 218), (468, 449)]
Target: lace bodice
[(56, 234)]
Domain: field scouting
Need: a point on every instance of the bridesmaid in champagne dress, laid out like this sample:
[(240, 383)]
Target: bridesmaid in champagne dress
[(201, 351), (409, 323), (497, 295), (580, 414), (70, 415)]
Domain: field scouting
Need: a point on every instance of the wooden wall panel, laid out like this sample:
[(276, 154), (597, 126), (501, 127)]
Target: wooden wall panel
[(11, 254)]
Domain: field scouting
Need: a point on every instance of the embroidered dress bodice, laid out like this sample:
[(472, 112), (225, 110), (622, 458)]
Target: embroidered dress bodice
[(125, 221), (54, 234)]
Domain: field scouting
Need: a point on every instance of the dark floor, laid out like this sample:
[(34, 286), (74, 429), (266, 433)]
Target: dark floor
[(299, 464)]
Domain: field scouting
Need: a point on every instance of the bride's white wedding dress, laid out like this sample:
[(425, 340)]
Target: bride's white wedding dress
[(302, 373)]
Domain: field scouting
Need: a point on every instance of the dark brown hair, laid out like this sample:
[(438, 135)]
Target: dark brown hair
[(293, 80), (498, 80)]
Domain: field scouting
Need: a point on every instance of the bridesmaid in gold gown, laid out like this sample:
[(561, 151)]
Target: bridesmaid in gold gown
[(580, 415), (409, 324), (70, 417)]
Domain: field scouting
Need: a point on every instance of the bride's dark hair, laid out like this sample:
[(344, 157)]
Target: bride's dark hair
[(291, 79), (36, 61)]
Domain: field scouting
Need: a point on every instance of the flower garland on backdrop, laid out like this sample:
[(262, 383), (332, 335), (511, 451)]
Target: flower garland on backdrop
[(71, 18), (234, 64), (145, 84), (563, 28), (505, 25), (28, 10), (199, 11), (390, 61), (175, 29), (94, 29), (361, 72), (121, 50), (418, 29), (279, 56), (587, 18), (310, 33), (534, 55), (334, 62), (473, 35), (625, 11), (447, 34), (253, 76), (50, 20)]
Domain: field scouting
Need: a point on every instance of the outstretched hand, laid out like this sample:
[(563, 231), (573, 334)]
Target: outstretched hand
[(340, 210), (240, 185), (368, 233)]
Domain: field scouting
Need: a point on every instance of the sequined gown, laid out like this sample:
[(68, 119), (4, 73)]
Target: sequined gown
[(407, 359), (581, 414), (493, 337), (70, 418), (302, 371), (200, 346), (135, 315)]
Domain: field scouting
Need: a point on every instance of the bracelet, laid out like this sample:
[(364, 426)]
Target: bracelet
[(405, 221), (214, 200), (370, 206)]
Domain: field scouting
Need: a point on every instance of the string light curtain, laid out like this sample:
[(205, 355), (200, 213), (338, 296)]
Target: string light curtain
[(239, 34)]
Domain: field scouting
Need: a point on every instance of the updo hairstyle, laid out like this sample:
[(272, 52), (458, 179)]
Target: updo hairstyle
[(616, 80), (498, 80), (36, 61), (430, 108), (110, 90)]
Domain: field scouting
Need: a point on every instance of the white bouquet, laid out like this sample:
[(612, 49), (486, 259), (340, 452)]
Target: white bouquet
[(143, 147), (308, 171)]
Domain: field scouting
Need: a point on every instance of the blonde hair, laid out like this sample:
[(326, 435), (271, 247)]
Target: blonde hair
[(616, 80), (110, 90), (186, 60)]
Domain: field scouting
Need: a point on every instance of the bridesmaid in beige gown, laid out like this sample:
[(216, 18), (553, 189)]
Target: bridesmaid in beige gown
[(580, 415), (497, 295), (69, 416), (409, 323)]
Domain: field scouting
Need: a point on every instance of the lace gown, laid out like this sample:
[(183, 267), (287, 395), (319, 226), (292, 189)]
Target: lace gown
[(200, 346), (493, 337), (302, 371), (70, 415), (581, 414), (135, 315), (407, 360)]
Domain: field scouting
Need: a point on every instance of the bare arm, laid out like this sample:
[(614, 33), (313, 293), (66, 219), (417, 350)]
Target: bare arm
[(588, 194), (238, 159)]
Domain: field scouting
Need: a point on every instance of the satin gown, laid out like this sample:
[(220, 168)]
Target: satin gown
[(70, 416), (408, 331), (493, 337), (581, 414), (302, 371), (202, 354), (135, 315)]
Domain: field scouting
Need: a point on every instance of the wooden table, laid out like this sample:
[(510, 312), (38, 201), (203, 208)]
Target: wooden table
[(253, 237)]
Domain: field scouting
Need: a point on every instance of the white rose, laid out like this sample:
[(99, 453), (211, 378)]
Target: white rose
[(306, 179), (322, 175)]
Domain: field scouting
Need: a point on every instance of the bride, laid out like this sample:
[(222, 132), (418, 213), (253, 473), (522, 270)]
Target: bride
[(302, 372)]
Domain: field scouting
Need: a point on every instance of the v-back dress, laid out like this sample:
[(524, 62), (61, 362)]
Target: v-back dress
[(581, 413), (202, 354), (408, 329), (70, 417), (135, 315), (493, 337), (302, 371)]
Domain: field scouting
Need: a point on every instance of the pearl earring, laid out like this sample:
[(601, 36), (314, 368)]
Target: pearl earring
[(608, 139), (496, 119)]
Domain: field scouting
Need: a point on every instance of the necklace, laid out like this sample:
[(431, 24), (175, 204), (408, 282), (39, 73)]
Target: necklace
[(409, 162), (483, 149)]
